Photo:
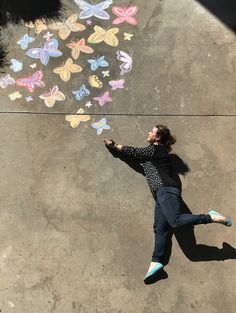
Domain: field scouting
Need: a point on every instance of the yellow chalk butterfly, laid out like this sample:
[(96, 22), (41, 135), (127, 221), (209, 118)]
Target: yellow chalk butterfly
[(15, 95), (66, 70), (65, 28), (101, 34), (94, 81), (39, 25), (52, 96), (128, 36), (77, 118)]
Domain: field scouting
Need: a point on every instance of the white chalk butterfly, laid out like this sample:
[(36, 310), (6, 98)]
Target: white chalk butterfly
[(97, 10), (127, 61)]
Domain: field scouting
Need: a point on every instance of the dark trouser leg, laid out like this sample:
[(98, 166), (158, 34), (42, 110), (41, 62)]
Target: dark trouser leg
[(170, 202), (161, 230)]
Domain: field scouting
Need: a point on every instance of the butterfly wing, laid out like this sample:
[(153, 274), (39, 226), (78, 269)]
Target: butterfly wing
[(87, 8), (39, 53), (85, 90), (51, 47), (98, 35), (62, 28), (49, 99), (64, 33), (24, 42), (73, 68), (25, 82), (103, 123), (75, 49), (99, 10), (35, 53), (15, 95), (113, 84), (16, 65), (102, 62), (120, 12), (63, 72), (40, 26), (106, 96), (123, 56), (94, 64), (110, 37), (83, 47), (31, 81), (81, 93), (127, 61), (6, 80), (125, 14), (128, 36), (76, 119), (100, 100), (72, 23)]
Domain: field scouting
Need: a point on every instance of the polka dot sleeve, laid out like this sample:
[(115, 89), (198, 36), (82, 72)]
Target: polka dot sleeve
[(140, 154)]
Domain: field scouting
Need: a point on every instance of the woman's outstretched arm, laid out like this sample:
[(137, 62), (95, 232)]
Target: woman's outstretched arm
[(140, 154)]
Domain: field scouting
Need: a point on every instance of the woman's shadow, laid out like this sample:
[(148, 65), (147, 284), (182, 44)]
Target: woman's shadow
[(185, 235)]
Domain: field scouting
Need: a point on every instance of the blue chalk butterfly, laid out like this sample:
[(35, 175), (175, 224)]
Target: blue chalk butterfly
[(96, 10), (16, 65), (95, 63), (100, 125), (24, 41), (49, 50), (81, 93)]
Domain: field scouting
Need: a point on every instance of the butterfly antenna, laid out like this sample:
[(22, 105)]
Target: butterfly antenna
[(131, 51)]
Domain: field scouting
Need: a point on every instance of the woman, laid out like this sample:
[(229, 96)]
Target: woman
[(156, 163)]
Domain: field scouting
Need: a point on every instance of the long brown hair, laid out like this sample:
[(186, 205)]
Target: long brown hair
[(166, 138)]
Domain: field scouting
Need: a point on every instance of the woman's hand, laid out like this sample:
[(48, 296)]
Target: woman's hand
[(109, 142)]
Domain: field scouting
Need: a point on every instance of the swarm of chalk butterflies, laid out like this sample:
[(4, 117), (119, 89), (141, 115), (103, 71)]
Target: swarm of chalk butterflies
[(50, 49)]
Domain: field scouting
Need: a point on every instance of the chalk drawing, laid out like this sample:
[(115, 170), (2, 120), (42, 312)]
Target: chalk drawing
[(32, 81), (125, 14), (107, 35), (66, 70), (52, 96), (77, 118), (97, 10), (103, 99), (101, 125)]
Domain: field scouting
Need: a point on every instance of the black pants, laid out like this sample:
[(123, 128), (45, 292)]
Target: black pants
[(168, 214)]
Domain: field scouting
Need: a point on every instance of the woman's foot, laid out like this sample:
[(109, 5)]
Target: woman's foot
[(154, 268), (152, 265)]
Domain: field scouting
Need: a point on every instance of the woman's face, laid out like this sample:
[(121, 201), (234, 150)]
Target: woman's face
[(152, 135)]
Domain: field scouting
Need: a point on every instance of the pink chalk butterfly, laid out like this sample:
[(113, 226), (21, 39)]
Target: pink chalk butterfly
[(127, 61), (125, 14), (103, 99), (30, 82), (117, 84)]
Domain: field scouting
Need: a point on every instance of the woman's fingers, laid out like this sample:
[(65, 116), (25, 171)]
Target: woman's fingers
[(108, 141)]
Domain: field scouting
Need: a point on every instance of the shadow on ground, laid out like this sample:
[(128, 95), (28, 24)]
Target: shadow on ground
[(15, 11), (185, 235), (224, 10)]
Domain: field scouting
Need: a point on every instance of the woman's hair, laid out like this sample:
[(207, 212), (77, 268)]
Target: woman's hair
[(165, 136)]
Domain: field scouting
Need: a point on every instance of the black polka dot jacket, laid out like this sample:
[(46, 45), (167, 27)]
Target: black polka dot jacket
[(156, 164)]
